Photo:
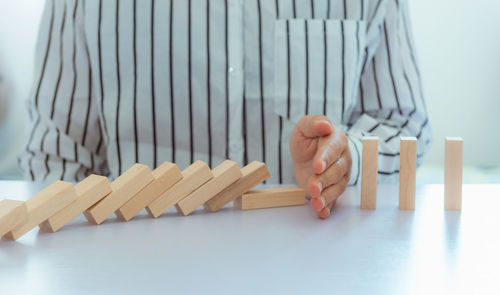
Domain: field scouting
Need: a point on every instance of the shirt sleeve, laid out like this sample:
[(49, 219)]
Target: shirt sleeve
[(390, 100), (64, 138)]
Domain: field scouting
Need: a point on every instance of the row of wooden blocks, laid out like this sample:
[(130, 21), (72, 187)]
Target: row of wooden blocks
[(140, 188), (407, 173)]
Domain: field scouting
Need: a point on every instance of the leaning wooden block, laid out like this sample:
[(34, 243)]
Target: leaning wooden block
[(369, 173), (43, 205), (253, 174), (193, 177), (224, 175), (89, 191), (12, 213), (270, 198), (123, 188), (407, 173), (165, 176), (453, 159)]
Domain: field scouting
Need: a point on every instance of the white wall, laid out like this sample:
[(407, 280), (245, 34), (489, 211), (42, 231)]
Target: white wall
[(459, 49)]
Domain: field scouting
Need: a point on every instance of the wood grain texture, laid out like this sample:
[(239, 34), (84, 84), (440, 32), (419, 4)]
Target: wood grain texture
[(271, 198), (253, 174), (12, 213), (89, 191), (123, 189), (453, 166), (369, 173), (407, 173), (43, 205), (193, 177), (224, 175), (165, 176)]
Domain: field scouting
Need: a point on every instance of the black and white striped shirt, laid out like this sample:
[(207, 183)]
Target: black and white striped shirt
[(119, 82)]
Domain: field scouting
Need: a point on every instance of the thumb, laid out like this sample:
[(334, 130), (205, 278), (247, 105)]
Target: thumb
[(312, 126)]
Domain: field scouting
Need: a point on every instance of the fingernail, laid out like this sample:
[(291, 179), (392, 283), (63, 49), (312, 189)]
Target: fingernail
[(323, 202), (320, 187), (323, 166), (318, 203)]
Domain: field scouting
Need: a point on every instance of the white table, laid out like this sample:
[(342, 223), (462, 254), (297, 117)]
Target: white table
[(273, 251)]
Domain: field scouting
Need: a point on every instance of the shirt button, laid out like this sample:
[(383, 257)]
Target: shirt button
[(231, 70)]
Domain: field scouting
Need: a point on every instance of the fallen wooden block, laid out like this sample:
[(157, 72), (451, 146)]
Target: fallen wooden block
[(253, 174), (270, 198), (43, 205), (193, 177), (89, 191), (369, 173), (123, 188), (165, 176), (12, 213), (453, 158), (407, 173), (224, 175)]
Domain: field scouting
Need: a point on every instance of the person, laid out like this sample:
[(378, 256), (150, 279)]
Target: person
[(295, 84)]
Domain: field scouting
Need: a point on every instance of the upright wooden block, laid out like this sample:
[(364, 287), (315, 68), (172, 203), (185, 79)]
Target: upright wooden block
[(12, 213), (165, 176), (271, 197), (43, 205), (193, 177), (89, 191), (453, 158), (253, 174), (369, 173), (224, 175), (407, 173), (123, 188)]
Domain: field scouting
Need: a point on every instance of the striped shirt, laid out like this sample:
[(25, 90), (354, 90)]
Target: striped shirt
[(120, 82)]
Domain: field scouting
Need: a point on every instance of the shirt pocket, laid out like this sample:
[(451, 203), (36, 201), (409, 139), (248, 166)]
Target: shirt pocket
[(317, 65)]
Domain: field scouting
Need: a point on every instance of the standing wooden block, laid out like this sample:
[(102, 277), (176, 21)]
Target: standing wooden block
[(369, 173), (271, 197), (193, 177), (89, 191), (253, 174), (224, 175), (165, 176), (123, 188), (12, 213), (407, 173), (453, 158), (43, 205)]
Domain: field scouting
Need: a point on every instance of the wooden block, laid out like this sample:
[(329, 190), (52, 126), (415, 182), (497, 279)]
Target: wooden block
[(193, 177), (123, 189), (89, 191), (43, 205), (253, 174), (224, 175), (12, 213), (271, 197), (407, 173), (453, 158), (369, 173), (165, 176)]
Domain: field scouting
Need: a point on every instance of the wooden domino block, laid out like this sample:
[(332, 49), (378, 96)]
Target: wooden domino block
[(43, 205), (224, 175), (12, 213), (453, 159), (165, 176), (193, 177), (89, 191), (123, 188), (407, 173), (253, 174), (369, 173), (270, 198)]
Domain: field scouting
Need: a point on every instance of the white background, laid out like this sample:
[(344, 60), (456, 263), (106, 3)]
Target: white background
[(458, 47)]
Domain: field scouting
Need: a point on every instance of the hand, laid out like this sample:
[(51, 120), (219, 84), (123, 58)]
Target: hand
[(322, 161)]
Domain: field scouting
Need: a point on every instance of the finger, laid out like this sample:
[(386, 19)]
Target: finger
[(330, 194), (332, 175), (315, 126), (323, 214), (329, 151)]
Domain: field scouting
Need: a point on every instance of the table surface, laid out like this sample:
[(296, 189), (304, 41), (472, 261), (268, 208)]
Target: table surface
[(280, 250)]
